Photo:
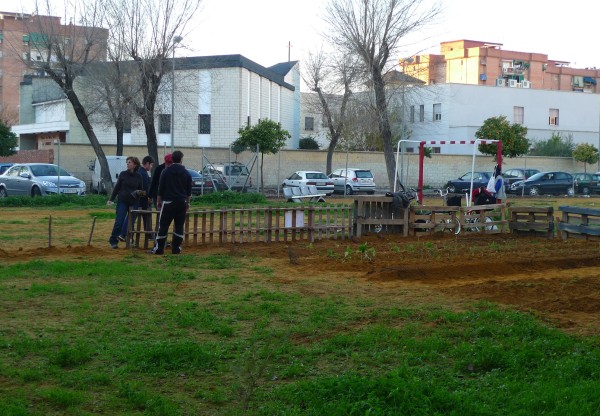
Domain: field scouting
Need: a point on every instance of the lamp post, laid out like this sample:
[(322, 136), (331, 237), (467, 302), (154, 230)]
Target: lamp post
[(176, 40), (404, 127), (57, 142)]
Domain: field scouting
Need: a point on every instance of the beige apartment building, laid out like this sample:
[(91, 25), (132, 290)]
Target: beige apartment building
[(487, 64)]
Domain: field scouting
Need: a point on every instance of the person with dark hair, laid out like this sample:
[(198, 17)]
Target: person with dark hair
[(496, 185), (128, 189), (173, 201), (144, 202)]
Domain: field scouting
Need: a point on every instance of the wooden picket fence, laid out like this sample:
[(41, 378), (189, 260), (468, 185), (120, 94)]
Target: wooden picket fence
[(245, 225)]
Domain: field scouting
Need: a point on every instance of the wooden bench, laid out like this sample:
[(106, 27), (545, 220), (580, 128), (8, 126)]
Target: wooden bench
[(303, 193)]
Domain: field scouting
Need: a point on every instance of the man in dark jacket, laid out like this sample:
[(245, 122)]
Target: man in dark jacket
[(173, 201)]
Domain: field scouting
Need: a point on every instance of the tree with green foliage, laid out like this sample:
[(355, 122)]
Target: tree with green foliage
[(586, 153), (8, 140), (557, 145), (512, 136), (308, 143), (267, 135)]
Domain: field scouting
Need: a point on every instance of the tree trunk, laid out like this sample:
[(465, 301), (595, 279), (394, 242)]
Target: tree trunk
[(89, 130), (332, 144), (384, 125), (119, 141)]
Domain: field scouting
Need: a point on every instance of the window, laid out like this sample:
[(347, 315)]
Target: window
[(518, 114), (412, 113), (309, 123), (127, 123), (553, 117), (203, 123), (437, 112), (421, 113), (164, 123)]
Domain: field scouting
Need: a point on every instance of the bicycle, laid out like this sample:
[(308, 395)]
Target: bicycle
[(452, 201), (473, 216)]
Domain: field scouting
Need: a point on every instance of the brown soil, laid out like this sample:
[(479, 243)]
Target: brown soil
[(557, 280)]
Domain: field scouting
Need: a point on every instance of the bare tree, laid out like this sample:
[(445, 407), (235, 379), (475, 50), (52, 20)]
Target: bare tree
[(64, 53), (148, 31), (331, 77), (372, 30)]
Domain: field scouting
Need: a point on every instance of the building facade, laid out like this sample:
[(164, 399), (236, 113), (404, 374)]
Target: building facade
[(213, 97)]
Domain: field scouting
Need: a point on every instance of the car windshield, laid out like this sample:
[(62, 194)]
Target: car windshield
[(364, 174), (48, 170), (316, 175), (536, 177)]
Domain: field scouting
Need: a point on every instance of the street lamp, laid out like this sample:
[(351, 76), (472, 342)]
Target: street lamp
[(176, 40)]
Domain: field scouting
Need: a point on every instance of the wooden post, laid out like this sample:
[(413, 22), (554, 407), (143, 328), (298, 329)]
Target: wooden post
[(49, 231), (92, 232)]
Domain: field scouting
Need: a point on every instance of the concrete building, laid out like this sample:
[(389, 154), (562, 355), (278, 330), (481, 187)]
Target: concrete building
[(214, 97)]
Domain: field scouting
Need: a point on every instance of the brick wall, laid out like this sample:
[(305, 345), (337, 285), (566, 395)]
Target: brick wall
[(30, 156)]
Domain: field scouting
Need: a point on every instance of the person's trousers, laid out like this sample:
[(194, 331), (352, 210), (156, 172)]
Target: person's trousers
[(171, 211), (120, 226)]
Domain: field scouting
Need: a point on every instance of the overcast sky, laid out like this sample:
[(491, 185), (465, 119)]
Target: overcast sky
[(262, 29)]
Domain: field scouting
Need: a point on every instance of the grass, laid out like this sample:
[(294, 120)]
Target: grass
[(216, 334)]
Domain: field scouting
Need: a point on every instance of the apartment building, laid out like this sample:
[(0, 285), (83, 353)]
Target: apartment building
[(214, 96), (22, 42)]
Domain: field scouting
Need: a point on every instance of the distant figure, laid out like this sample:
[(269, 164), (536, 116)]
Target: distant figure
[(156, 177), (128, 190), (173, 201), (144, 202), (496, 185)]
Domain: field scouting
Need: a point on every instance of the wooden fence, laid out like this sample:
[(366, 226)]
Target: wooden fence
[(253, 225), (580, 223), (532, 220)]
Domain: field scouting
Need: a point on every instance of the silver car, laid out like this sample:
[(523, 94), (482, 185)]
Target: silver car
[(39, 179), (307, 178), (353, 180)]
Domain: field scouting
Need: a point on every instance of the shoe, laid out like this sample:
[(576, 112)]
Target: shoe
[(155, 252), (114, 246), (121, 238), (176, 250)]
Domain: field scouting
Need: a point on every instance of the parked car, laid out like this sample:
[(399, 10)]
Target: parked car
[(555, 183), (463, 183), (39, 179), (310, 177), (352, 180), (517, 174), (4, 167), (203, 185), (587, 183), (235, 175)]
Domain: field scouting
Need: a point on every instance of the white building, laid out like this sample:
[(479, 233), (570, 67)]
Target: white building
[(214, 97), (456, 111)]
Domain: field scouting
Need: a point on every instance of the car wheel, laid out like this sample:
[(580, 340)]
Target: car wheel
[(3, 193), (534, 191), (585, 190), (570, 191), (35, 191), (349, 190)]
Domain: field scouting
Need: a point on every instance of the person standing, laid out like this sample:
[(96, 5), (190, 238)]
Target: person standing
[(144, 201), (156, 177), (128, 189), (173, 201), (499, 185)]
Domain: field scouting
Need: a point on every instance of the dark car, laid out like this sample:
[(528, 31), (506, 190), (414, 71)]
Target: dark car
[(517, 174), (463, 183), (555, 183), (587, 183), (4, 167), (202, 185)]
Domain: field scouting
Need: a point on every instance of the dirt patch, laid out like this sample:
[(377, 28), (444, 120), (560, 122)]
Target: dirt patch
[(557, 280)]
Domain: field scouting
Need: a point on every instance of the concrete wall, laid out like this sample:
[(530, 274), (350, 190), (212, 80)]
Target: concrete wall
[(437, 170)]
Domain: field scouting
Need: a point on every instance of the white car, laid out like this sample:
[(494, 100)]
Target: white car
[(309, 177), (353, 180), (39, 179)]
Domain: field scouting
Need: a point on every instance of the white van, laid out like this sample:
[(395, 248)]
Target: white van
[(116, 164)]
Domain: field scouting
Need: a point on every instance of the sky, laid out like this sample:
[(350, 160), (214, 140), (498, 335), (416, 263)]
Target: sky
[(262, 30)]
